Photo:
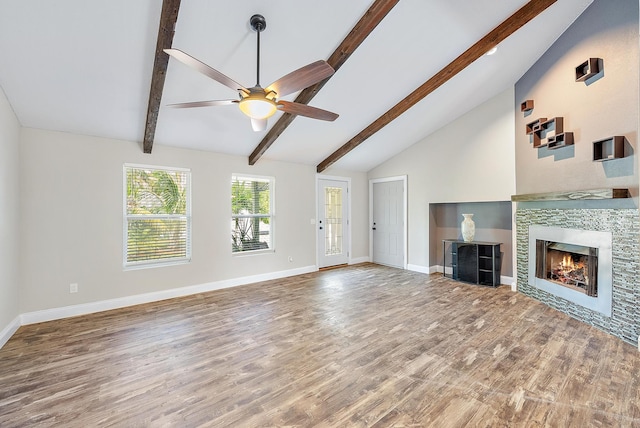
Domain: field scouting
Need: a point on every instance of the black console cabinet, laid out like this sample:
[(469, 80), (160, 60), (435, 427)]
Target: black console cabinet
[(475, 262)]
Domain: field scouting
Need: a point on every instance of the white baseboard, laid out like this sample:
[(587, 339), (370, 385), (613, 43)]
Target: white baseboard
[(506, 280), (441, 269), (418, 268), (357, 260), (121, 302), (9, 331)]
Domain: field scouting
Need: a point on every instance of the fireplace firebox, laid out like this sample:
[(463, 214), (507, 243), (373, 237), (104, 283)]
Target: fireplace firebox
[(572, 264), (569, 265)]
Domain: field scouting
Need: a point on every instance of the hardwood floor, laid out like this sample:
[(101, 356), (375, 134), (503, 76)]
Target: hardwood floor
[(359, 346)]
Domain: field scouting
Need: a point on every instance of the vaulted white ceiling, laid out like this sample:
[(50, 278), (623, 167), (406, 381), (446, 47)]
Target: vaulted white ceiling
[(85, 67)]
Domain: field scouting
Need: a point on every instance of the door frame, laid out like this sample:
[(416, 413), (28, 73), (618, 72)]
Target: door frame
[(405, 199), (315, 215)]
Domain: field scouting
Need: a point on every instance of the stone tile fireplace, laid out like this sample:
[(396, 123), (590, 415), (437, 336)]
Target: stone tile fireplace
[(597, 279)]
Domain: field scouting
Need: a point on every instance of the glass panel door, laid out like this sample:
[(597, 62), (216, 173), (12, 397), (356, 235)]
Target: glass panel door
[(333, 220), (332, 223)]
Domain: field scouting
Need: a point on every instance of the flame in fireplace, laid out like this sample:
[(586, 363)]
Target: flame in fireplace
[(567, 268), (568, 264)]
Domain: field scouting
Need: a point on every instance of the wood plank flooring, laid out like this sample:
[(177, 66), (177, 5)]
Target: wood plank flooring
[(361, 346)]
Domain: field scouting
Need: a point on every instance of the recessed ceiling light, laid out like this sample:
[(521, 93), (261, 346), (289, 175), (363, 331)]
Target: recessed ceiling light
[(492, 50)]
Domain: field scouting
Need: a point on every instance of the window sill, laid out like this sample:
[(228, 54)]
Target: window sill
[(253, 252), (152, 265)]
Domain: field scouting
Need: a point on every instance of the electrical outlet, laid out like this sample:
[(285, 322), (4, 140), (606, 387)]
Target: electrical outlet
[(73, 288)]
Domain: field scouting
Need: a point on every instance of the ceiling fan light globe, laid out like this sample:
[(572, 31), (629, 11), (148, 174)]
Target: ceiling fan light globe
[(258, 107)]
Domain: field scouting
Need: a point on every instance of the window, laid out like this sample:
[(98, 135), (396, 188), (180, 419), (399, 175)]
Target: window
[(251, 213), (157, 211)]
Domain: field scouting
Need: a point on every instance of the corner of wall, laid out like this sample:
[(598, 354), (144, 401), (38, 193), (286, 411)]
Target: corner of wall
[(9, 331), (9, 217)]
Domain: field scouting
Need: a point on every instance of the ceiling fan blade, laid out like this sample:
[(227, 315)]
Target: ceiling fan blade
[(205, 69), (259, 124), (203, 103), (301, 78), (308, 111)]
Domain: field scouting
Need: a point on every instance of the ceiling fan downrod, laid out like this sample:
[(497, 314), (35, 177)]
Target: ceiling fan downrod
[(258, 23)]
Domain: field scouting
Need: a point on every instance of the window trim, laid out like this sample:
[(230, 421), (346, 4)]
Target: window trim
[(147, 264), (271, 215)]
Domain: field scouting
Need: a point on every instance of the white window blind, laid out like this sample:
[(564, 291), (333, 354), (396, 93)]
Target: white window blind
[(157, 215), (252, 225)]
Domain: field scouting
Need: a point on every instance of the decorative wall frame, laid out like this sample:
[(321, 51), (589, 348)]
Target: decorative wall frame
[(526, 106), (587, 69), (608, 149)]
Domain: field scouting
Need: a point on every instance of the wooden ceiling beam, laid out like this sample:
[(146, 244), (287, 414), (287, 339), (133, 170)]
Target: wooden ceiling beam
[(525, 14), (372, 17), (166, 30)]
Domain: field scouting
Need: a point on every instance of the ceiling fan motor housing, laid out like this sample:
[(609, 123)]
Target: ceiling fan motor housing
[(258, 22)]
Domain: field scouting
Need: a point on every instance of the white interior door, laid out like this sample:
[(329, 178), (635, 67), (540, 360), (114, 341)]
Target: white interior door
[(388, 222), (332, 224)]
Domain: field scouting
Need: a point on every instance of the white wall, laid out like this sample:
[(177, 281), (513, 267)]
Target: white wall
[(72, 219), (468, 160), (9, 217)]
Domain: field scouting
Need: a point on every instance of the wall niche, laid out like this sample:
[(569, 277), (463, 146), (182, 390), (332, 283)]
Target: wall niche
[(493, 223)]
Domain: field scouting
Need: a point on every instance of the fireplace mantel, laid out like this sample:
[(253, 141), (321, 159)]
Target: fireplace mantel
[(576, 195)]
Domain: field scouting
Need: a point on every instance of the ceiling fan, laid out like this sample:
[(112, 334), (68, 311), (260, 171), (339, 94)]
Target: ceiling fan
[(261, 103)]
